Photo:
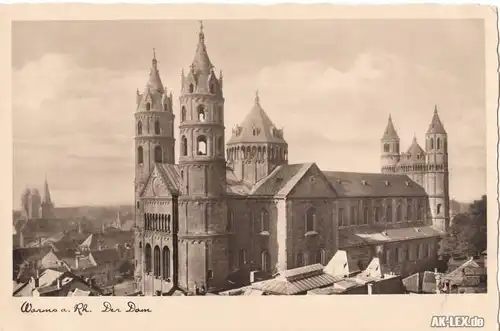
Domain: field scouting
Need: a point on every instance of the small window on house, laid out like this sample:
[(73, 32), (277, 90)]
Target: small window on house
[(220, 145), (183, 114), (354, 215), (438, 209), (148, 106), (310, 219), (201, 113), (300, 260), (266, 261), (264, 220), (191, 88), (230, 221), (386, 148), (158, 154), (432, 143), (377, 214), (139, 128), (438, 143), (157, 127), (140, 155), (201, 147), (210, 274), (341, 216), (242, 258), (137, 205), (183, 146), (321, 256), (388, 213)]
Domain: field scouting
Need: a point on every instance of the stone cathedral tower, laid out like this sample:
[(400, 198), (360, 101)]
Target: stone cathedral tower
[(203, 242), (390, 148), (154, 137), (437, 176)]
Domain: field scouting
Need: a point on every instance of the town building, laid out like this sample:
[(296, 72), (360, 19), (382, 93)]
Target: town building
[(237, 207)]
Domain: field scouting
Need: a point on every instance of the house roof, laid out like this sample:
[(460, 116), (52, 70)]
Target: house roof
[(105, 256), (172, 176), (415, 154), (350, 237), (298, 280), (356, 184), (279, 179)]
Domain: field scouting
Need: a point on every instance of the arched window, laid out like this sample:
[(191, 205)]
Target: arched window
[(139, 128), (266, 261), (377, 214), (286, 154), (191, 88), (366, 215), (242, 258), (409, 212), (398, 214), (201, 145), (386, 148), (148, 106), (438, 143), (168, 223), (137, 205), (300, 260), (158, 154), (184, 147), (212, 88), (140, 155), (438, 209), (421, 215), (220, 145), (264, 220), (388, 213), (201, 113), (157, 127), (157, 261), (147, 255), (166, 263), (310, 219), (432, 143), (320, 256), (183, 114)]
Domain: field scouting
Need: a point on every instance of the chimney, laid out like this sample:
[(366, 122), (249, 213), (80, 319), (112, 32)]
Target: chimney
[(370, 288), (59, 283)]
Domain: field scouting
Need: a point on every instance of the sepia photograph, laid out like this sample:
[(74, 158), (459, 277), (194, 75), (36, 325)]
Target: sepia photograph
[(259, 157)]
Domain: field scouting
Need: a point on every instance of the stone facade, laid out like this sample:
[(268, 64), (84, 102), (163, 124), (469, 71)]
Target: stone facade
[(206, 219)]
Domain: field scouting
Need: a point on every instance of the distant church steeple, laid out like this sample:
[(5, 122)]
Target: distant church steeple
[(47, 206)]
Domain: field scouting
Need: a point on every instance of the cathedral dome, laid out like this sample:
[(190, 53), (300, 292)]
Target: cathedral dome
[(257, 127)]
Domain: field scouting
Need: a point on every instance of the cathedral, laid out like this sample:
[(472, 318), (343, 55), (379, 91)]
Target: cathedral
[(228, 209)]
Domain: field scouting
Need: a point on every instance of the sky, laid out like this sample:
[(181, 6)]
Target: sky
[(331, 84)]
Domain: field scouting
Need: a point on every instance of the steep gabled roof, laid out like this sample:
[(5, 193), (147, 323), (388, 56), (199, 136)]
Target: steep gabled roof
[(278, 179), (170, 176), (414, 155)]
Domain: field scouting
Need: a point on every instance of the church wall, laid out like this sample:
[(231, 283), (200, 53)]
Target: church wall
[(309, 243)]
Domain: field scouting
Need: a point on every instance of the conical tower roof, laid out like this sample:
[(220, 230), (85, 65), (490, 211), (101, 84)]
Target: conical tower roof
[(154, 81), (390, 132), (436, 125), (257, 127), (201, 62), (46, 192)]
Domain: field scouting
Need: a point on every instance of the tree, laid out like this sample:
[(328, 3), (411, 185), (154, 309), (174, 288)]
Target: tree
[(477, 234), (467, 234)]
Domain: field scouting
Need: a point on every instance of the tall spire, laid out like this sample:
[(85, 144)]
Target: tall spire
[(46, 192), (257, 99), (201, 61), (154, 82), (390, 131), (436, 125)]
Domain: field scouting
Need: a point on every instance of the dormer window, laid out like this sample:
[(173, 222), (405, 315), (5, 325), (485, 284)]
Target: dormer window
[(364, 182), (387, 183), (407, 183)]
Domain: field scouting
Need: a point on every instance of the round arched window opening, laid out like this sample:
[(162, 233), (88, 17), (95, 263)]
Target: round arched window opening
[(183, 114), (201, 113), (201, 145), (148, 106), (191, 88)]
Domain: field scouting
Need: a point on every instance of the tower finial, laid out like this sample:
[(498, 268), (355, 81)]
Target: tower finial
[(257, 98), (435, 109), (154, 59), (201, 34)]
